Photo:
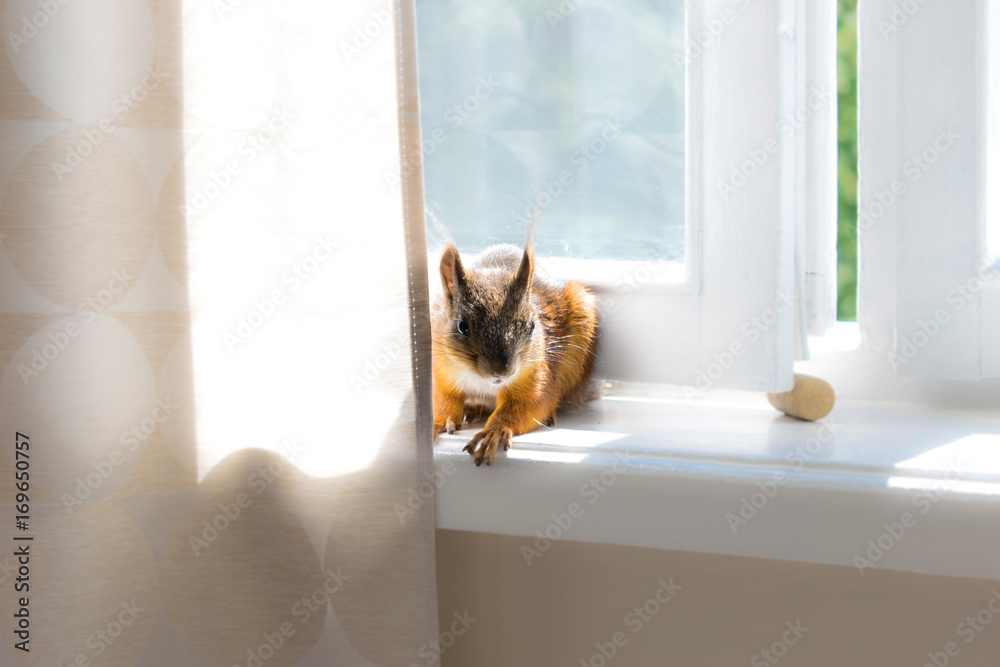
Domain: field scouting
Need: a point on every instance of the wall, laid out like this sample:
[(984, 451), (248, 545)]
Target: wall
[(726, 612)]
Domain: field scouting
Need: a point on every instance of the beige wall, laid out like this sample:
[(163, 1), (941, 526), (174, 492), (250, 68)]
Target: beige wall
[(727, 611)]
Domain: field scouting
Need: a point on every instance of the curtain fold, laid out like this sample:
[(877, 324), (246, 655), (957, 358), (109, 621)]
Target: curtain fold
[(214, 335)]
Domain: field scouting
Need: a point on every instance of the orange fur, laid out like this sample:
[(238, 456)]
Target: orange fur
[(557, 362)]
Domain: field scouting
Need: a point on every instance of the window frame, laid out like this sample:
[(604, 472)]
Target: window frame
[(746, 260), (923, 71), (731, 321)]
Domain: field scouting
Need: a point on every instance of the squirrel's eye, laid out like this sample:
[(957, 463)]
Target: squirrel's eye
[(531, 326), (463, 326)]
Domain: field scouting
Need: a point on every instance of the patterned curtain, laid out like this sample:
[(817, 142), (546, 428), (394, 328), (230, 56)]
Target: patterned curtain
[(214, 343)]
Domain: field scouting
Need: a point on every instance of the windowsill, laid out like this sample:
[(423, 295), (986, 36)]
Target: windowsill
[(676, 470)]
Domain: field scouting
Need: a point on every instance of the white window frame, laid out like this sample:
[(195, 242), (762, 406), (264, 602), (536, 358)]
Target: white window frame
[(922, 80), (776, 236), (727, 318), (817, 184)]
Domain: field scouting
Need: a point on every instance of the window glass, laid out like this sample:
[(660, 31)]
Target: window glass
[(571, 113)]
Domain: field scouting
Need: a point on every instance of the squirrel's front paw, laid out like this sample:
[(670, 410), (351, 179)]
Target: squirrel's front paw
[(447, 426), (483, 446)]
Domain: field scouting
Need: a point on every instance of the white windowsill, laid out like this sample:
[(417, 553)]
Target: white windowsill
[(691, 462)]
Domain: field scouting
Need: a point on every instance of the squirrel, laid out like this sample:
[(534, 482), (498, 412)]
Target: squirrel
[(508, 344)]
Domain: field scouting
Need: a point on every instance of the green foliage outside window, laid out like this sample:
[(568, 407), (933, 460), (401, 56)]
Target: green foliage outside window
[(847, 222)]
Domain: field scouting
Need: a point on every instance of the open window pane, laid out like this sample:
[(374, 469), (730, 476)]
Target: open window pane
[(993, 135), (573, 114), (928, 298)]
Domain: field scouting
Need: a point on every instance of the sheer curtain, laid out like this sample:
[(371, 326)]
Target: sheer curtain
[(213, 335)]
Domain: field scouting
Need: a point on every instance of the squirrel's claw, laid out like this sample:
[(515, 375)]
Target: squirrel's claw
[(483, 446), (447, 426)]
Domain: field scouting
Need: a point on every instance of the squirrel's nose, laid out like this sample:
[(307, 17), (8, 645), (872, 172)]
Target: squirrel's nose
[(499, 373), (500, 366)]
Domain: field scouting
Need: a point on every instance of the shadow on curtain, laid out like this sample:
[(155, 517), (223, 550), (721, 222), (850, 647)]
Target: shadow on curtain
[(213, 336)]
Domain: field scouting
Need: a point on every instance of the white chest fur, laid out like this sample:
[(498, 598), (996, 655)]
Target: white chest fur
[(478, 389)]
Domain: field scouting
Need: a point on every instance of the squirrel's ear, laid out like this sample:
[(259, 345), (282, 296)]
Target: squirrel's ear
[(452, 271), (526, 271)]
